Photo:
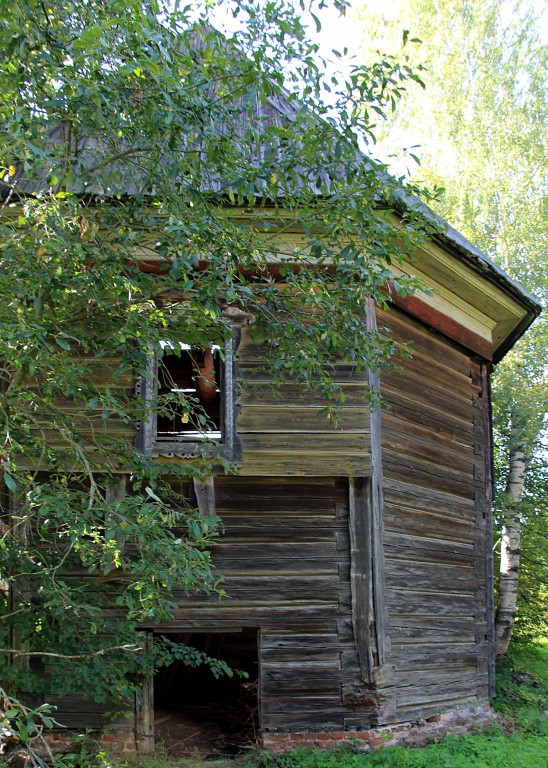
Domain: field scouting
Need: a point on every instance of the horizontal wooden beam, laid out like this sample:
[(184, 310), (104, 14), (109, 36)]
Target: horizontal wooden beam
[(442, 323), (415, 306)]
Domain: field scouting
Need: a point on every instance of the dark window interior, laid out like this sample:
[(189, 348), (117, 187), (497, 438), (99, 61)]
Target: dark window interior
[(194, 376)]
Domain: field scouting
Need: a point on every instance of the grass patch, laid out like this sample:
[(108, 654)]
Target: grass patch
[(493, 749)]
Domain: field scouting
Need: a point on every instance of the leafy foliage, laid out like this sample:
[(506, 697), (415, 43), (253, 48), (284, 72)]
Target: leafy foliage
[(22, 728), (148, 166)]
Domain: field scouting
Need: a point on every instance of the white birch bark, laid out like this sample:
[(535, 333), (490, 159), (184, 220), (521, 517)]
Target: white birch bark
[(510, 555)]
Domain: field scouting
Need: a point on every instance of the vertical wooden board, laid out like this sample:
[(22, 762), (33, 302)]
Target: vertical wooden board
[(361, 582), (144, 709)]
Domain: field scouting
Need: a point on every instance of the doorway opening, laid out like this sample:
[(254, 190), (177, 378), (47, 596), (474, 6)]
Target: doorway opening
[(197, 714)]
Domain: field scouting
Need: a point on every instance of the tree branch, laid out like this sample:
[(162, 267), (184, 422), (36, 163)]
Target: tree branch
[(130, 647)]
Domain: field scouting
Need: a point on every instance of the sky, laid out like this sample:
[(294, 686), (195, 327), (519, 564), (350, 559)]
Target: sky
[(339, 32)]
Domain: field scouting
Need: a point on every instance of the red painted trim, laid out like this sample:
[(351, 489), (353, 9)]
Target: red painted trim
[(411, 304), (271, 270), (444, 324)]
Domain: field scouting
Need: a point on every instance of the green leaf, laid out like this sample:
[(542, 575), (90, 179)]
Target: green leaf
[(150, 492), (10, 482)]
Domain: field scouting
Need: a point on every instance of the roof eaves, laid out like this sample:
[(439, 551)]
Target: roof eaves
[(454, 241)]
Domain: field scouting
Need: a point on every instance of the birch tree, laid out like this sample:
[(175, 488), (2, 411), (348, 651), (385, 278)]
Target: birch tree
[(478, 130)]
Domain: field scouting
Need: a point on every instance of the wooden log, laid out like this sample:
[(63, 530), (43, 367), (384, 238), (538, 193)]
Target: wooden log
[(288, 418)]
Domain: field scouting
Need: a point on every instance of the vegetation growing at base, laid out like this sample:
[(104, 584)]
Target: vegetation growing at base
[(520, 740)]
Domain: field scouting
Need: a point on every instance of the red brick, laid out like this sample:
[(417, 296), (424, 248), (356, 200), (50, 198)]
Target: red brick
[(110, 737), (434, 719), (377, 741)]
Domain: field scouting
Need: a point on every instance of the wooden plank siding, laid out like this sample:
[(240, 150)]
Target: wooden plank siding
[(91, 425), (285, 553), (286, 561), (284, 432), (434, 514)]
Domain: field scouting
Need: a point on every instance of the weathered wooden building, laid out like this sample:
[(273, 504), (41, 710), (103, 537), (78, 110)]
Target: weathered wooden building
[(357, 558)]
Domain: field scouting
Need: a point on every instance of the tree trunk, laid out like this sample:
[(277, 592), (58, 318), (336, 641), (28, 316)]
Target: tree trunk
[(510, 555)]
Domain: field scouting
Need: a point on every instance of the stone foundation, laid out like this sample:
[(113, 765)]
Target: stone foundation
[(418, 733)]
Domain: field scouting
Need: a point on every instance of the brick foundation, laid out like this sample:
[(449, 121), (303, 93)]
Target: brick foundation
[(112, 742), (417, 733)]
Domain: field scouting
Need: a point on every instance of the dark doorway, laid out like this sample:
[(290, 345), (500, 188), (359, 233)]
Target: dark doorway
[(195, 713)]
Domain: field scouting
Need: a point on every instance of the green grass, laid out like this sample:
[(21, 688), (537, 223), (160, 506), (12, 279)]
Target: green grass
[(522, 698)]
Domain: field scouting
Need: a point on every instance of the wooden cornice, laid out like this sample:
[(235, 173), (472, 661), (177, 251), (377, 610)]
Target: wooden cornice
[(444, 324)]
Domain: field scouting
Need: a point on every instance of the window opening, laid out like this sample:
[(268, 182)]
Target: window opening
[(195, 387), (196, 375)]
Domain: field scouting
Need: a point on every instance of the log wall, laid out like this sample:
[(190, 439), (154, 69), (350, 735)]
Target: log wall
[(285, 432), (434, 440), (64, 420), (285, 553), (285, 558)]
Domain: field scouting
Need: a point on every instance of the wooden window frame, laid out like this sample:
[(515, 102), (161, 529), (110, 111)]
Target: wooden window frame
[(228, 446)]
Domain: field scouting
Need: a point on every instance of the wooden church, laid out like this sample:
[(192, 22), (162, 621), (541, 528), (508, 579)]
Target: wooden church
[(357, 559)]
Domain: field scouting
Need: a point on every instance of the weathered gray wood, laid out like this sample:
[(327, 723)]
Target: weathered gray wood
[(425, 342), (116, 491), (19, 591), (413, 495), (204, 490), (377, 503), (301, 464), (427, 474), (434, 483), (231, 397), (287, 433), (423, 548), (422, 523), (289, 418), (302, 679), (430, 418), (262, 393), (144, 709), (434, 628), (401, 574), (359, 522), (259, 589), (429, 603), (317, 713), (327, 443), (485, 438)]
